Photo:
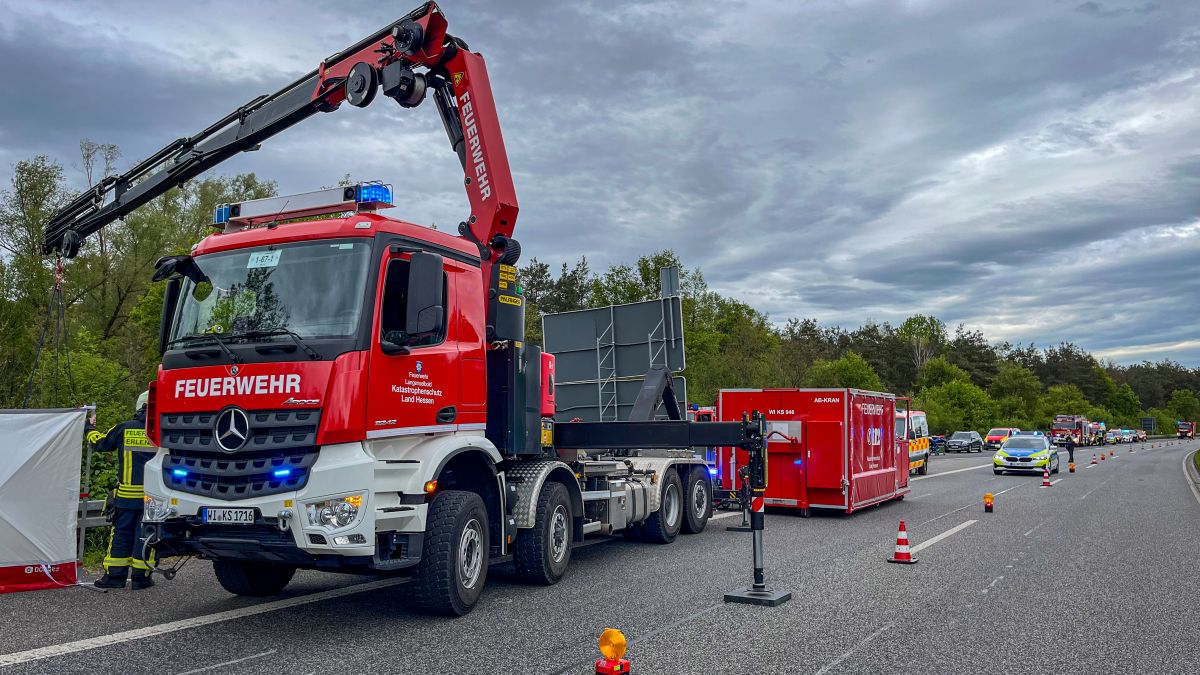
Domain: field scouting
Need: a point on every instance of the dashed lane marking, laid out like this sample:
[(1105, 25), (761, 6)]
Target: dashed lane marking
[(930, 542), (65, 648), (228, 663), (947, 473), (845, 655)]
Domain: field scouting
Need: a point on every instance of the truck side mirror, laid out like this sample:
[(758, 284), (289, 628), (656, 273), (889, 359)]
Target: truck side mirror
[(170, 301), (426, 286)]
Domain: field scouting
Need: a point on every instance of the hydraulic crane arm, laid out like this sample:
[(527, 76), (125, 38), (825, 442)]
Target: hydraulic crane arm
[(405, 60)]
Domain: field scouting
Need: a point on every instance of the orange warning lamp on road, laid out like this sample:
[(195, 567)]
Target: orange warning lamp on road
[(612, 647), (988, 500)]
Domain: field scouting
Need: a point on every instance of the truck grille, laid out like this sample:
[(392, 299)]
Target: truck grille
[(277, 457), (269, 430)]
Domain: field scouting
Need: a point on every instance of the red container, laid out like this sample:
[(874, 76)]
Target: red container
[(828, 448)]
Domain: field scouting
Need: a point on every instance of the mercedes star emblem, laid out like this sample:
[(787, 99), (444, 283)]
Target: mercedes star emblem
[(232, 429)]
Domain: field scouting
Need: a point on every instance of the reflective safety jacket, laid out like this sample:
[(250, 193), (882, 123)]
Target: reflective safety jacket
[(128, 440)]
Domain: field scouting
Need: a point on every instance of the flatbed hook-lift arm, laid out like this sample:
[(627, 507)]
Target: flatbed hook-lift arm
[(404, 59)]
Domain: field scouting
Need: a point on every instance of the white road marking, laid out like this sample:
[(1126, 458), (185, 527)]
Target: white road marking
[(1036, 527), (65, 648), (1091, 465), (994, 582), (1055, 481), (1187, 475), (930, 542), (947, 473), (1089, 492), (845, 655), (227, 663)]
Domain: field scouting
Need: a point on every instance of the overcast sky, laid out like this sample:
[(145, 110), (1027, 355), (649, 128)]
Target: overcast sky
[(1028, 167)]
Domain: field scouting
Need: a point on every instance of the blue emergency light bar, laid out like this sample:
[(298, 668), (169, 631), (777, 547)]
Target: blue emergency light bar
[(367, 196)]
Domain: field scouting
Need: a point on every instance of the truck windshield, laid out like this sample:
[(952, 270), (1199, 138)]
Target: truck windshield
[(1064, 426), (312, 288)]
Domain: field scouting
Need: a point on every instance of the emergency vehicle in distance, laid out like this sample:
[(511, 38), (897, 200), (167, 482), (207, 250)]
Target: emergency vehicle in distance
[(828, 448), (354, 393), (913, 426), (1185, 429), (1074, 427), (996, 437)]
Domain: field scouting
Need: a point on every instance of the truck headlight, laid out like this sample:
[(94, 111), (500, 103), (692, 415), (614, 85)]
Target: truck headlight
[(156, 509), (334, 513)]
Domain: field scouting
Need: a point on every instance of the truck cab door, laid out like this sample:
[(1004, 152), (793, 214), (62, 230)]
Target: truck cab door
[(414, 355)]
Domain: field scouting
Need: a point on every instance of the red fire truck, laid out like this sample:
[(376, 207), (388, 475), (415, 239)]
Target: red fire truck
[(1074, 427), (828, 448), (354, 393), (1185, 429)]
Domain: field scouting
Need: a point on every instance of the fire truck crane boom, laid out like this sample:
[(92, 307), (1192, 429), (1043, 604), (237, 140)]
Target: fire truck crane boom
[(384, 60)]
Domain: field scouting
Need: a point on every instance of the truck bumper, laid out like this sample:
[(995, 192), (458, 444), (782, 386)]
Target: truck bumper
[(281, 531)]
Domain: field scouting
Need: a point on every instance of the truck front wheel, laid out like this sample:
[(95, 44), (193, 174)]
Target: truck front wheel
[(252, 578), (543, 552), (663, 525), (924, 468), (698, 498), (454, 563)]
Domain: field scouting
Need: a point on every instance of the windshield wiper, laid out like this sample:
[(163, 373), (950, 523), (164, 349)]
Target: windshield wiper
[(215, 337), (273, 332)]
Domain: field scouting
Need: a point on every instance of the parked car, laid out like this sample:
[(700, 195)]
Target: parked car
[(1127, 435), (1140, 435), (1026, 452), (1112, 437), (996, 437), (968, 441)]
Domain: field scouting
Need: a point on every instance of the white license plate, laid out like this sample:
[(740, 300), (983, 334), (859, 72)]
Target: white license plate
[(229, 516)]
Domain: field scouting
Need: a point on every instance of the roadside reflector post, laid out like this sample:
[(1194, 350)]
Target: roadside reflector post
[(758, 593), (988, 500)]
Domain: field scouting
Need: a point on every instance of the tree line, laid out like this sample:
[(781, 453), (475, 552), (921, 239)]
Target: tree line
[(108, 351)]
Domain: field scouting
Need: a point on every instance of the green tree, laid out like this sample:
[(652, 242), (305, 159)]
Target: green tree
[(958, 405), (970, 350), (925, 335), (851, 370), (1184, 405), (1061, 399), (939, 371), (1125, 404), (1017, 389)]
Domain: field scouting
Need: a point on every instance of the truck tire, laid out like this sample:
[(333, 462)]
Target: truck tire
[(252, 578), (697, 498), (454, 563), (663, 525), (543, 552), (924, 468)]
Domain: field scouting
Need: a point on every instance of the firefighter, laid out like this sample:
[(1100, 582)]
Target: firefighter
[(126, 546), (1070, 449)]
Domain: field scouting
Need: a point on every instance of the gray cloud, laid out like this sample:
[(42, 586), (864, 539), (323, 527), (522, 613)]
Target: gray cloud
[(1027, 169)]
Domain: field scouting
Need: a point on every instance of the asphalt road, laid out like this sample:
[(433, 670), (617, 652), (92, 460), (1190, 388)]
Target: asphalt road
[(1095, 574)]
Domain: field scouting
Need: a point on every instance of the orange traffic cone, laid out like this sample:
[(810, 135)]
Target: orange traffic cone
[(1103, 457), (902, 555), (1046, 477)]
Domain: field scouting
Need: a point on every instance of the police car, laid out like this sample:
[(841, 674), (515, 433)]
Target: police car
[(1026, 452)]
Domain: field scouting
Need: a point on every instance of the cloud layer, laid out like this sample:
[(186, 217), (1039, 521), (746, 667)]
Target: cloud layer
[(1029, 168)]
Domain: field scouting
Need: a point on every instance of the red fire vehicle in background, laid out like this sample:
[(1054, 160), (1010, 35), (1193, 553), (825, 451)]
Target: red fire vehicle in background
[(827, 448), (1185, 429), (1074, 427)]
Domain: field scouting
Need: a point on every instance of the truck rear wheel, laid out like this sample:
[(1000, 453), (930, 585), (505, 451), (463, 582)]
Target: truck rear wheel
[(663, 525), (698, 501), (252, 578), (543, 552), (454, 563)]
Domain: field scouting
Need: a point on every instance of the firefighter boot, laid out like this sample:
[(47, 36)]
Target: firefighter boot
[(139, 581), (110, 580)]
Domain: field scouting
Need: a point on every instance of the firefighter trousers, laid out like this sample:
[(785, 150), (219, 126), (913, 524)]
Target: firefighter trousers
[(127, 546)]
